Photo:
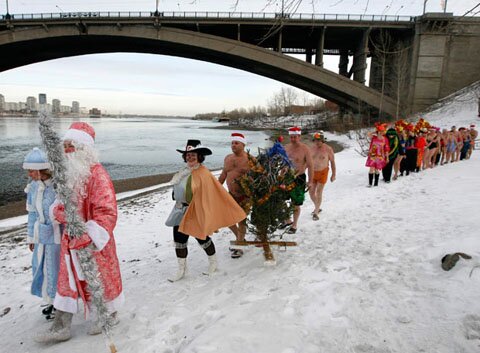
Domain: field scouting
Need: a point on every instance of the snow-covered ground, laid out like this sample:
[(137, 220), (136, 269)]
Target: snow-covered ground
[(366, 278)]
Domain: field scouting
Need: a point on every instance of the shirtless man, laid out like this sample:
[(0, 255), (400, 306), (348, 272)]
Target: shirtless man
[(322, 155), (473, 136), (300, 156), (235, 166)]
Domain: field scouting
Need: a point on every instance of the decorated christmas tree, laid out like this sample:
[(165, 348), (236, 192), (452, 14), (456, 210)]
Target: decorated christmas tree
[(268, 184)]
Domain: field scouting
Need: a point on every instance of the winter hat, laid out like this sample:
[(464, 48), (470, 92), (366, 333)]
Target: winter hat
[(294, 130), (36, 160), (236, 136), (196, 146), (80, 132)]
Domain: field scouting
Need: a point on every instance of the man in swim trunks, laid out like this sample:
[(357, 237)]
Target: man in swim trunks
[(322, 155), (235, 166), (473, 136), (299, 155)]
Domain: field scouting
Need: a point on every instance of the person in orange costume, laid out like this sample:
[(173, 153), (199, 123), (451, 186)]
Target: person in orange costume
[(202, 206), (420, 144)]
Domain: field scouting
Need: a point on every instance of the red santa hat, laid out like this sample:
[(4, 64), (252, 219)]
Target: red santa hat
[(80, 132), (294, 130), (236, 136)]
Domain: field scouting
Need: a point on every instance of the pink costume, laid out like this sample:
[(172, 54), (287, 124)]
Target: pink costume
[(99, 211), (375, 156)]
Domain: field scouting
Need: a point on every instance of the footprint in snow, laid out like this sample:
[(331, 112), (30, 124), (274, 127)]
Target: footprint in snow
[(471, 325)]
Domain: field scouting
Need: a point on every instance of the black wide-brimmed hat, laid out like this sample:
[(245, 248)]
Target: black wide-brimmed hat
[(196, 146)]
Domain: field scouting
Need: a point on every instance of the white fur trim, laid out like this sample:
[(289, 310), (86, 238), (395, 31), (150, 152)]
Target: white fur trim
[(36, 232), (71, 278), (79, 136), (98, 234), (77, 266), (36, 166), (294, 132), (239, 139), (67, 304), (39, 202), (56, 226), (116, 303)]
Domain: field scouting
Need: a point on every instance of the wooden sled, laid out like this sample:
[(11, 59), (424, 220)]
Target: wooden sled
[(267, 251)]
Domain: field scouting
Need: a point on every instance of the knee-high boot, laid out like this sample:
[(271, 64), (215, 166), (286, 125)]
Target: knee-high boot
[(370, 179), (182, 270), (376, 179), (60, 329), (212, 265)]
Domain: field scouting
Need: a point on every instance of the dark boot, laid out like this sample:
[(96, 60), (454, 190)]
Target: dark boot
[(370, 179), (377, 176)]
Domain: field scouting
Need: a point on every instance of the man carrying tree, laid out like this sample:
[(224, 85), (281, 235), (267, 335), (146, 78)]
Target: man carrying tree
[(235, 166), (95, 201), (322, 156), (299, 155)]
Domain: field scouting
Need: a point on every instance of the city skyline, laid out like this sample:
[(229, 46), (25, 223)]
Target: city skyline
[(31, 104), (166, 85)]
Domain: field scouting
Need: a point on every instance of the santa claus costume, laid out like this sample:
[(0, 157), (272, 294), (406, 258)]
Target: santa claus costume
[(97, 206)]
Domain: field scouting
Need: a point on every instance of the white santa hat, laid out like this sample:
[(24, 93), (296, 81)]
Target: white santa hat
[(236, 136), (80, 132), (295, 130)]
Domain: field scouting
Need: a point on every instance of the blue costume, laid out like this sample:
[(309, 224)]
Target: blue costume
[(42, 231)]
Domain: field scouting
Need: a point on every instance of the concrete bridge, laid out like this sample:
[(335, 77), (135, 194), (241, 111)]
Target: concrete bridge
[(258, 42)]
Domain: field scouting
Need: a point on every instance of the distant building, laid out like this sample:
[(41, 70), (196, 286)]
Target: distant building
[(297, 110), (75, 107), (42, 98), (32, 104), (2, 103), (56, 106), (95, 113)]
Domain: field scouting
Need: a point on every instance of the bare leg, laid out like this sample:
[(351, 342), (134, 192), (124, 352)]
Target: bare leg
[(313, 195), (296, 216), (242, 230), (318, 197), (234, 230)]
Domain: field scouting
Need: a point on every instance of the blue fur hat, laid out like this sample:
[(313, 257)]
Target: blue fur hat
[(36, 160)]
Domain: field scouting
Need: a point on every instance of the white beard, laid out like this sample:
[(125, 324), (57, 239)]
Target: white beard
[(78, 166)]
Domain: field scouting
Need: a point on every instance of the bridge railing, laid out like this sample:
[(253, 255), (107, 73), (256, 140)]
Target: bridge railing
[(209, 15)]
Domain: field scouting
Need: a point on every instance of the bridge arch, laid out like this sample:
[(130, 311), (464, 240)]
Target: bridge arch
[(30, 45)]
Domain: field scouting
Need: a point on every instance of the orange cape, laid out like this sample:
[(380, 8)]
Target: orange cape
[(211, 208)]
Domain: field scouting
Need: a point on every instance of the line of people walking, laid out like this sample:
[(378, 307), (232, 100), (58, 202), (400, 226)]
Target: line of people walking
[(403, 148)]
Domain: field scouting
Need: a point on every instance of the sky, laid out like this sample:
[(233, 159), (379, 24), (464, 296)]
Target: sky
[(157, 84), (365, 278)]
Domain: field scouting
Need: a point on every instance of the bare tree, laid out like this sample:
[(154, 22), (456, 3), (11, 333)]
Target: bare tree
[(400, 71), (382, 44)]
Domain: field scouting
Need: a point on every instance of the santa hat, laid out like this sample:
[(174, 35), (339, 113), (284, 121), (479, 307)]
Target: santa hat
[(295, 130), (80, 132), (36, 160), (236, 136)]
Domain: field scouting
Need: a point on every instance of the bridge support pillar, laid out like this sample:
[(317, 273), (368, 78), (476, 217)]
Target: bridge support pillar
[(343, 64), (360, 58), (309, 55), (279, 44), (319, 50)]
